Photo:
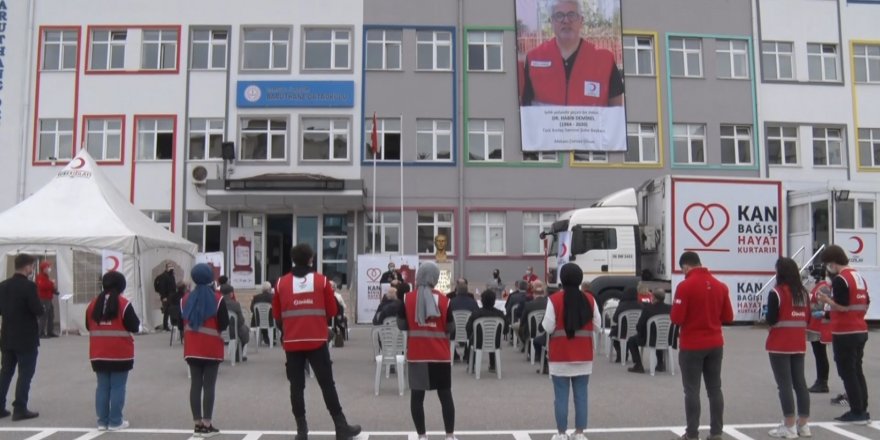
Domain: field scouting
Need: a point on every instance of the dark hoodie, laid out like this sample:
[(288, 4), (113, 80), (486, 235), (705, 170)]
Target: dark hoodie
[(628, 301)]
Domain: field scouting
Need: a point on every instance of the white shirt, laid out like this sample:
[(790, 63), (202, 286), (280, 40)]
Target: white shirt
[(570, 369)]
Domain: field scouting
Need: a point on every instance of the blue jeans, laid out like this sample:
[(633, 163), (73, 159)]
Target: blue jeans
[(27, 365), (580, 385), (110, 397)]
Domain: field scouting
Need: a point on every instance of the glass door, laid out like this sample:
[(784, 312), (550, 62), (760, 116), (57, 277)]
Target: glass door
[(307, 232), (255, 221)]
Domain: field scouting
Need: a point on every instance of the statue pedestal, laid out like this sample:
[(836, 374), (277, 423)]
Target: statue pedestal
[(447, 278)]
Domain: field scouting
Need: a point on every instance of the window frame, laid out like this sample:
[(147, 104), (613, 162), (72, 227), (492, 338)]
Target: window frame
[(642, 135), (855, 211), (783, 141), (138, 147), (208, 133), (685, 53), (541, 225), (589, 157), (58, 134), (435, 133), (690, 137), (861, 56), (822, 58), (112, 46), (384, 226), (382, 131), (271, 42), (436, 226), (778, 55), (436, 45), (737, 139), (873, 142), (333, 42), (386, 45), (540, 156), (207, 218), (63, 48), (105, 132), (270, 135), (486, 45), (733, 54), (631, 43), (480, 127), (488, 227), (331, 132), (211, 44), (162, 46), (841, 139), (153, 213)]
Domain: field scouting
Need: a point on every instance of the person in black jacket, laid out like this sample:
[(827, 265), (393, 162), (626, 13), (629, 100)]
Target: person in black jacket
[(265, 296), (517, 297), (166, 286), (388, 307), (475, 338), (537, 304), (629, 301), (640, 339), (19, 336)]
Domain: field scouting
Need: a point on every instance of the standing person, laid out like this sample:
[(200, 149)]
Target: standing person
[(110, 320), (496, 282), (787, 314), (304, 302), (46, 290), (849, 331), (19, 336), (819, 331), (701, 305), (166, 286), (426, 316), (204, 317), (571, 318)]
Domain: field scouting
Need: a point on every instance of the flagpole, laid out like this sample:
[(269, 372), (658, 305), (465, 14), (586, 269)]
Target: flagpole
[(375, 221)]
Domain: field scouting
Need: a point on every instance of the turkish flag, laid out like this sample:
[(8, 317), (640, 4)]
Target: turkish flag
[(374, 137)]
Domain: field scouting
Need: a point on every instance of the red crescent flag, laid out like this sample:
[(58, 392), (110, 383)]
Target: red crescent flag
[(374, 137)]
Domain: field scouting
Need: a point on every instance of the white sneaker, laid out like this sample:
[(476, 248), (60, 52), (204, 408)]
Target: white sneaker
[(121, 426), (102, 427), (783, 431), (577, 436), (804, 431), (559, 437)]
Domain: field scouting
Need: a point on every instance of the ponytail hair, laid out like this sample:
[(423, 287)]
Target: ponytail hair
[(107, 304)]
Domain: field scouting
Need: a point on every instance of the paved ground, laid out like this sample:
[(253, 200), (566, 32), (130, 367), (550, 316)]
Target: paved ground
[(253, 398)]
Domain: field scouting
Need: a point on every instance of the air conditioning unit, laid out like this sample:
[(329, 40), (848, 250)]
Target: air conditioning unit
[(201, 173)]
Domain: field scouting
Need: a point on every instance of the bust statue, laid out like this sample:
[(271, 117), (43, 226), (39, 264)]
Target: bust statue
[(440, 243)]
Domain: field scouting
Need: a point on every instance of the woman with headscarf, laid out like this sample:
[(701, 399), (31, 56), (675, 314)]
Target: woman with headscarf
[(629, 301), (110, 320), (570, 320), (204, 317), (428, 357)]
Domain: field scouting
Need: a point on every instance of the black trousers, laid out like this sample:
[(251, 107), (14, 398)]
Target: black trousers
[(26, 361), (706, 365), (319, 360), (848, 352), (821, 355), (632, 345)]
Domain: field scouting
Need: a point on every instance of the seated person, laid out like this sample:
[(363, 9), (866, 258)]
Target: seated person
[(340, 321), (265, 296), (242, 332), (640, 339), (475, 338), (627, 302), (537, 304), (518, 297), (465, 301), (644, 294), (388, 307)]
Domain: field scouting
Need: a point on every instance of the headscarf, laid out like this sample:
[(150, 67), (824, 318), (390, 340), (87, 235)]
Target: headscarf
[(577, 311), (107, 304), (200, 304), (427, 277)]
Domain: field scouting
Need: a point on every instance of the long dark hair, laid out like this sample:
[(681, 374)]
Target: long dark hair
[(577, 310), (788, 274), (107, 304)]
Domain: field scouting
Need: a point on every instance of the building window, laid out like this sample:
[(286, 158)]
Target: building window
[(264, 139), (487, 233), (209, 49), (104, 138), (686, 57), (486, 139), (638, 55), (384, 49), (386, 232), (86, 275), (484, 51), (641, 143), (589, 157), (854, 214), (533, 224), (732, 59), (431, 224), (782, 145), (325, 139), (388, 130), (108, 50), (334, 248), (867, 63), (161, 217), (59, 50), (778, 59), (822, 62), (155, 139), (327, 49), (869, 147), (540, 156), (736, 144), (689, 143), (159, 50), (206, 138), (434, 140), (203, 229), (265, 49), (434, 50), (827, 146), (56, 139)]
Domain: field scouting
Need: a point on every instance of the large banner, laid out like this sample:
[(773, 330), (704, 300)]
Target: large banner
[(570, 64), (746, 296), (241, 243), (214, 260), (370, 269)]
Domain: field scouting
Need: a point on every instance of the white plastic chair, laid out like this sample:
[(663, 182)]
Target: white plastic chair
[(392, 353), (607, 316), (488, 327), (263, 313), (659, 327), (461, 318), (626, 327), (534, 320), (230, 339), (514, 326)]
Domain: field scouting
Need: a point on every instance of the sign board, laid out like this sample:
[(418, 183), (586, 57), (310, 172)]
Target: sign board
[(369, 271), (241, 248), (295, 94), (111, 261), (859, 246), (214, 260)]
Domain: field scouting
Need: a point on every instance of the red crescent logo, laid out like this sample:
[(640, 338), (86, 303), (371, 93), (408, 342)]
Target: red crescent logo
[(564, 250), (77, 163), (860, 244), (114, 264)]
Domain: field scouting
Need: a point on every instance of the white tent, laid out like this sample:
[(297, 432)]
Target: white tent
[(80, 218)]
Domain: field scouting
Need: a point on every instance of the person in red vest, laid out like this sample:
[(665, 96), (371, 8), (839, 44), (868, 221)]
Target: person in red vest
[(426, 316), (787, 314), (849, 331), (701, 305), (304, 303), (110, 320), (570, 321), (204, 317), (569, 70), (46, 290), (819, 331)]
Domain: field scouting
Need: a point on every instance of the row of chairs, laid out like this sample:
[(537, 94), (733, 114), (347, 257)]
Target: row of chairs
[(659, 329)]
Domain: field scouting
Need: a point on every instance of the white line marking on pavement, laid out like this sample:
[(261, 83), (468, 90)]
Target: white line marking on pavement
[(521, 435), (875, 425), (736, 434), (89, 435), (838, 430), (253, 436), (42, 435)]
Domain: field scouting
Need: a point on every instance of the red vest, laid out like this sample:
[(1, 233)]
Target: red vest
[(820, 326), (109, 340), (789, 334), (853, 319), (589, 81), (580, 347), (303, 312), (206, 342), (429, 342)]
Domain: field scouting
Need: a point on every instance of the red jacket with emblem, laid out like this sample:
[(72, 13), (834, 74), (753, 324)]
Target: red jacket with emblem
[(110, 340), (822, 325), (303, 305), (789, 334), (852, 320), (45, 287), (206, 342), (580, 347), (588, 84), (429, 342), (701, 305)]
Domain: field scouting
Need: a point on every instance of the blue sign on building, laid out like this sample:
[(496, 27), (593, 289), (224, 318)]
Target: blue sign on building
[(285, 94)]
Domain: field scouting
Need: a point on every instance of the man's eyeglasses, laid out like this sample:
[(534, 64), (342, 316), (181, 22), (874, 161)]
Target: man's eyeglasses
[(571, 16)]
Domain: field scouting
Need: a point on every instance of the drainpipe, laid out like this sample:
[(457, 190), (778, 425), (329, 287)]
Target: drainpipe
[(25, 103)]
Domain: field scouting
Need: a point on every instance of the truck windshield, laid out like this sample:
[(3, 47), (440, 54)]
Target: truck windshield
[(551, 251)]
